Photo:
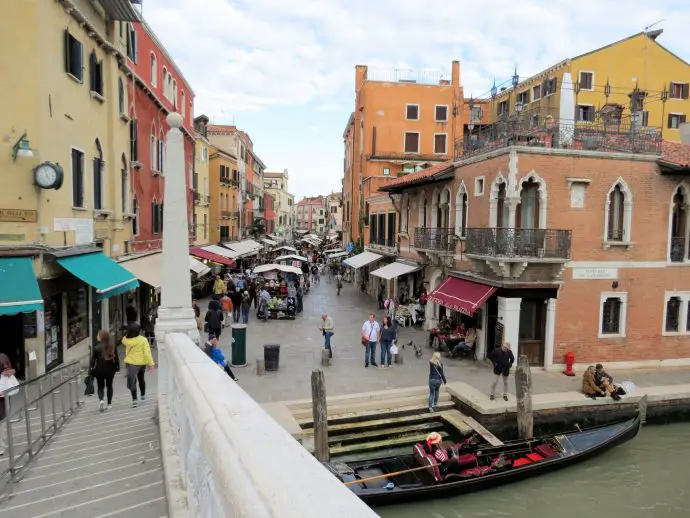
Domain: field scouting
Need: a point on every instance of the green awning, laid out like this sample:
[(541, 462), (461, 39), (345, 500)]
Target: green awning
[(19, 292), (101, 272)]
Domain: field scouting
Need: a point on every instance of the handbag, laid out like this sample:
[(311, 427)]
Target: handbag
[(365, 341), (8, 382), (89, 390)]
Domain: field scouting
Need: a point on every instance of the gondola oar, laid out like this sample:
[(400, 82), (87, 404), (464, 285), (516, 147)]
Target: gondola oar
[(386, 475)]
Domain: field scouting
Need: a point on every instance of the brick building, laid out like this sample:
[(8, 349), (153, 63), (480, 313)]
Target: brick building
[(574, 240), (311, 214)]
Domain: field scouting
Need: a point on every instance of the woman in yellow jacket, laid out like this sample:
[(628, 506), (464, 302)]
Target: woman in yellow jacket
[(137, 358)]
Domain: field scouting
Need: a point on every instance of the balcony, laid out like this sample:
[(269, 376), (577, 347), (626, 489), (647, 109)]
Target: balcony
[(235, 214), (382, 243), (528, 255), (197, 198), (439, 240), (678, 253), (226, 214)]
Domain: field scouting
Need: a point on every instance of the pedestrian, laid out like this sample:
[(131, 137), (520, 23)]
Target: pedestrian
[(389, 333), (137, 359), (226, 307), (381, 296), (328, 329), (219, 288), (104, 365), (216, 354), (7, 381), (131, 313), (246, 306), (370, 335), (253, 294), (436, 379), (339, 282), (236, 298), (502, 359), (214, 319)]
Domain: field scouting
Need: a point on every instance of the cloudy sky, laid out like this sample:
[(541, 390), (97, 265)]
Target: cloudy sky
[(284, 70)]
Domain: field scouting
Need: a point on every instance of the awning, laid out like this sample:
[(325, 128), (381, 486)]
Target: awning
[(338, 254), (396, 269), (280, 267), (334, 251), (210, 256), (223, 252), (269, 242), (460, 295), (363, 259), (291, 257), (198, 267), (20, 292), (148, 269), (244, 248), (100, 272), (288, 248)]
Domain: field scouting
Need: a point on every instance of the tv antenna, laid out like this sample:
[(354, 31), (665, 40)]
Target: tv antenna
[(647, 29)]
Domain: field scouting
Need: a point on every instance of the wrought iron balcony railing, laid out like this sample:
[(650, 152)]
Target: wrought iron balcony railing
[(677, 253), (438, 239), (518, 243)]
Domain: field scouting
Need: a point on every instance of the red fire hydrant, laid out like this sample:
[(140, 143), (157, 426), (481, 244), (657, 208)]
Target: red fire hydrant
[(569, 361)]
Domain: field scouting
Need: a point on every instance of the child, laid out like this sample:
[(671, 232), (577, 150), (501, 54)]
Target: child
[(226, 306), (217, 356)]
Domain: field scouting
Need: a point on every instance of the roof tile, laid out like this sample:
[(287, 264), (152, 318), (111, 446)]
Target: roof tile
[(675, 153), (415, 177)]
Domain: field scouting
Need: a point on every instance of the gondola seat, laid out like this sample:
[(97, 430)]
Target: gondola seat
[(426, 460), (546, 451)]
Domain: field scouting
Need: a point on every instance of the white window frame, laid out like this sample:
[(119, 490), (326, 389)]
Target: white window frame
[(529, 96), (439, 106), (164, 86), (458, 209), (627, 214), (477, 190), (153, 65), (445, 151), (418, 112), (84, 186), (669, 90), (623, 296), (135, 214), (419, 142), (683, 329), (679, 114), (153, 152), (577, 109), (579, 79)]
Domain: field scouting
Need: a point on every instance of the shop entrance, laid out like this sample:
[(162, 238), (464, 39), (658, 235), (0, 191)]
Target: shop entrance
[(12, 343), (532, 330)]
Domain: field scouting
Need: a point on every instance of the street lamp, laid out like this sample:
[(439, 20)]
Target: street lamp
[(607, 90), (516, 78), (470, 126), (22, 148), (494, 90)]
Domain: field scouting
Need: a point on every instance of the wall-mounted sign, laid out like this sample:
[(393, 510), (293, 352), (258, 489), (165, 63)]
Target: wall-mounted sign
[(12, 237), (595, 273), (83, 228), (19, 215)]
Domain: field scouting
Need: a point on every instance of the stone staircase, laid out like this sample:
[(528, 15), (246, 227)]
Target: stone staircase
[(99, 465)]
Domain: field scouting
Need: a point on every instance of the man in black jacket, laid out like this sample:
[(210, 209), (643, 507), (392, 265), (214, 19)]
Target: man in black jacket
[(503, 359)]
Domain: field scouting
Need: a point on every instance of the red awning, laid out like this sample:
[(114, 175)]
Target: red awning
[(461, 295), (205, 254)]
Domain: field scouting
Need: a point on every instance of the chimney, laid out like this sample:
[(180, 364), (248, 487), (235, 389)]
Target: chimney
[(455, 77), (360, 76), (684, 130)]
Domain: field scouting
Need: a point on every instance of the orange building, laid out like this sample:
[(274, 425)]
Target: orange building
[(400, 125)]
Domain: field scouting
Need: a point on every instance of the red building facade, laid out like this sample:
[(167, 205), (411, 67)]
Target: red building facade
[(157, 89), (269, 210)]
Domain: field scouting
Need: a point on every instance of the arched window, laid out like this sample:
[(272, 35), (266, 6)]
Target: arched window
[(618, 213), (679, 249), (154, 70), (135, 216), (183, 103), (98, 177), (421, 217), (461, 211), (161, 153), (174, 94), (124, 177), (501, 207), (120, 95), (154, 149), (527, 216)]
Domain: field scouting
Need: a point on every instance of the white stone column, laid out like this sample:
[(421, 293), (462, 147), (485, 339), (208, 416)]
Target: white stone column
[(550, 338), (175, 314), (480, 340), (509, 316)]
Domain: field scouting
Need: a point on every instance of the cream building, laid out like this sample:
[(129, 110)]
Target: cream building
[(277, 185), (65, 205), (334, 213), (200, 183)]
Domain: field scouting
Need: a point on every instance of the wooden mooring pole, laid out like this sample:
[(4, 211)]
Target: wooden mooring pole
[(523, 391), (320, 415)]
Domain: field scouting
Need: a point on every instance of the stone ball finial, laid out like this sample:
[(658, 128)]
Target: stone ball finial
[(174, 120)]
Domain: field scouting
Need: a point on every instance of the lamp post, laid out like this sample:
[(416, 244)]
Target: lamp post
[(175, 314)]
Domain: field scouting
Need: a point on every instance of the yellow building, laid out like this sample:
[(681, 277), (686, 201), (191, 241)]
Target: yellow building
[(64, 188), (201, 219), (224, 178), (636, 72)]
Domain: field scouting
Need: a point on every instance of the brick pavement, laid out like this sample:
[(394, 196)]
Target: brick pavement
[(301, 345)]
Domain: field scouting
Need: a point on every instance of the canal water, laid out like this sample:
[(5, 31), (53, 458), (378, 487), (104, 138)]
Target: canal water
[(644, 478)]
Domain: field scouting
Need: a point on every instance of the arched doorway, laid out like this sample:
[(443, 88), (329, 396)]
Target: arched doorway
[(678, 246)]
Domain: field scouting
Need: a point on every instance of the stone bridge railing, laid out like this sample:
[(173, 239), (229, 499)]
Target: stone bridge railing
[(225, 457)]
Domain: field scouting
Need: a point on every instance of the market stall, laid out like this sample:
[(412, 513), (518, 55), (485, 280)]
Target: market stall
[(279, 281)]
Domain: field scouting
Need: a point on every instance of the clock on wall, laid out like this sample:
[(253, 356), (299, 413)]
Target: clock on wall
[(48, 175)]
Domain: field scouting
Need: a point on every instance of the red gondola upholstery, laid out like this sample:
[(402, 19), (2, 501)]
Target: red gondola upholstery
[(423, 459)]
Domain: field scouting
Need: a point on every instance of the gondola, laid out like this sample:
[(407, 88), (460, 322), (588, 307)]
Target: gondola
[(417, 476)]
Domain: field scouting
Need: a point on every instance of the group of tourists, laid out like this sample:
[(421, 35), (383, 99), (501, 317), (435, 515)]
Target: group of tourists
[(596, 382)]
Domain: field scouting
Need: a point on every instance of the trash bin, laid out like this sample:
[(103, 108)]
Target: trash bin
[(239, 346), (271, 356)]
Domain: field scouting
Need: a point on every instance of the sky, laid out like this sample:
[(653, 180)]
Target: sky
[(283, 71)]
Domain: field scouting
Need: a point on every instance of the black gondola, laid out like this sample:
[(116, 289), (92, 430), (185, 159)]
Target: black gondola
[(417, 476)]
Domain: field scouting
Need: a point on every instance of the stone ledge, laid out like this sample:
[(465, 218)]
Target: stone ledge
[(282, 415), (178, 506)]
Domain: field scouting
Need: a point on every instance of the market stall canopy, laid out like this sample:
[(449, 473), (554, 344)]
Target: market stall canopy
[(337, 254), (20, 292), (313, 237), (223, 252), (396, 269), (269, 242), (291, 257), (360, 260), (334, 250), (332, 238), (461, 295), (148, 269), (198, 267), (210, 256), (288, 248), (100, 272), (301, 232), (280, 267), (245, 248)]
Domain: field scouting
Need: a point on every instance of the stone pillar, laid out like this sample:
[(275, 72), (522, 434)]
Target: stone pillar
[(550, 338), (509, 316), (175, 314)]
